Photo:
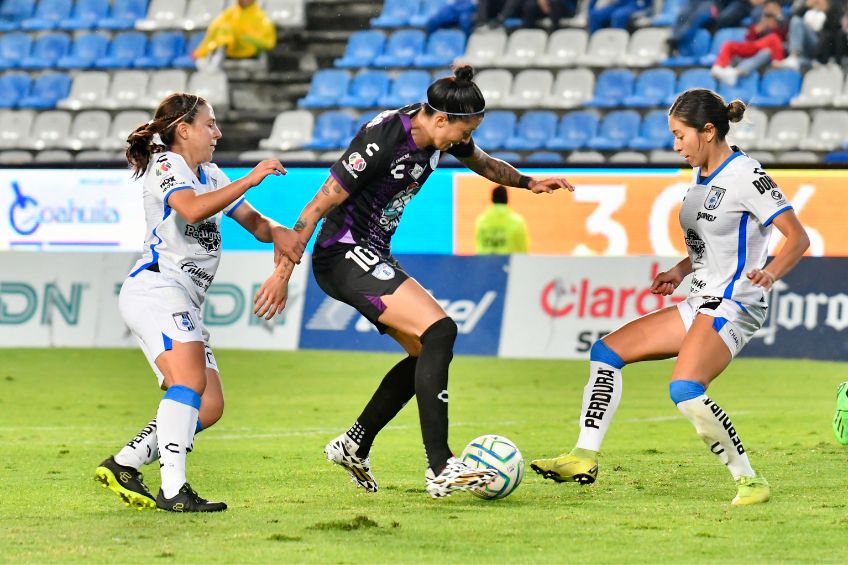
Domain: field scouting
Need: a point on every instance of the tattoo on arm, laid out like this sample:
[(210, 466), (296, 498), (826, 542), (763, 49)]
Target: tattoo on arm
[(300, 225), (493, 169), (325, 188)]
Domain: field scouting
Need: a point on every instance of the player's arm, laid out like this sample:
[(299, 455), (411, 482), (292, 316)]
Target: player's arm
[(797, 242), (501, 172), (266, 230), (195, 207), (666, 282)]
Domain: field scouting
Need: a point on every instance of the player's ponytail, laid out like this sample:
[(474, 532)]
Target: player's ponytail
[(458, 96), (157, 135), (698, 107), (735, 111)]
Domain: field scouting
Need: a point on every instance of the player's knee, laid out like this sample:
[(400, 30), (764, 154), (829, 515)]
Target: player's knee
[(602, 352), (444, 330), (681, 391)]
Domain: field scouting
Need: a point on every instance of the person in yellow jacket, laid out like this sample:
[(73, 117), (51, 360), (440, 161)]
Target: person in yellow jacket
[(500, 230), (242, 31)]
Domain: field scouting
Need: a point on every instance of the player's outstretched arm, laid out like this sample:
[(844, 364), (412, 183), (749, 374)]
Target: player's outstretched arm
[(501, 172), (797, 242), (196, 207), (286, 242), (666, 282)]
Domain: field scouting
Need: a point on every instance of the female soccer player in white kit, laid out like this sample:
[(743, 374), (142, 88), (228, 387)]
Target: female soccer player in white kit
[(726, 216), (161, 300)]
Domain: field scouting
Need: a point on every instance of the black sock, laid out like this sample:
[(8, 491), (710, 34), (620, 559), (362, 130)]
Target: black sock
[(431, 388), (394, 392)]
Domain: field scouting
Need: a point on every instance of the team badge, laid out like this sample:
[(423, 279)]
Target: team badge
[(183, 321), (714, 198), (416, 171), (356, 162), (383, 272)]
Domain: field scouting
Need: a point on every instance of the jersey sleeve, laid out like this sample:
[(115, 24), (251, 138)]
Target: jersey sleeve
[(222, 181), (364, 158), (762, 197), (168, 176), (463, 150)]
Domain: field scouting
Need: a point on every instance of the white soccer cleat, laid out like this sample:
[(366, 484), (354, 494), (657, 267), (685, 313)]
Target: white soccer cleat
[(457, 476), (342, 451)]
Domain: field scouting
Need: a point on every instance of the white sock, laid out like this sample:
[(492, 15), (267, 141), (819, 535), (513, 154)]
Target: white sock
[(601, 396), (715, 428), (141, 450), (176, 419)]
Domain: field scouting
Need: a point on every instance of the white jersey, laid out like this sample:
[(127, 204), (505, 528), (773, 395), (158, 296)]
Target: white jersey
[(188, 253), (726, 220)]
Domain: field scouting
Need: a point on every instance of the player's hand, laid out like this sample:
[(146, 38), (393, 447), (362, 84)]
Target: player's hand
[(271, 297), (287, 243), (666, 282), (263, 169), (761, 277), (549, 185)]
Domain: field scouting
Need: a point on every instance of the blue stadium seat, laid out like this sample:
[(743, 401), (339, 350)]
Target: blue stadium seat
[(545, 157), (495, 129), (744, 90), (362, 48), (328, 86), (401, 49), (653, 87), (616, 130), (534, 129), (777, 88), (364, 118), (164, 47), (333, 130), (720, 37), (85, 51), (396, 13), (611, 88), (13, 87), (426, 10), (693, 78), (47, 50), (690, 53), (124, 14), (86, 14), (185, 60), (126, 47), (47, 15), (13, 12), (408, 87), (365, 90), (46, 90), (653, 133), (443, 46), (14, 47), (508, 156), (574, 131), (836, 157), (669, 12)]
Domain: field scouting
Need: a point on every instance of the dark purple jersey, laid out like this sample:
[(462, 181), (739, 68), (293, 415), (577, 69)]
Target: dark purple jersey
[(382, 169)]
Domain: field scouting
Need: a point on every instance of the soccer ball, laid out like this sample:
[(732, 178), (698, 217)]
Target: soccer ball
[(500, 454)]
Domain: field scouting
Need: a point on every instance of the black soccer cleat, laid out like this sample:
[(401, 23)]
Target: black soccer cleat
[(126, 482), (188, 501)]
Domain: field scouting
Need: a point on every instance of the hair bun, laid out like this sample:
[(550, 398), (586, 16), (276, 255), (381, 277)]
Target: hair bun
[(464, 73), (735, 111)]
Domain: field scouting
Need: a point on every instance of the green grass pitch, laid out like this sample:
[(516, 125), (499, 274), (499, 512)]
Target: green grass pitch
[(661, 496)]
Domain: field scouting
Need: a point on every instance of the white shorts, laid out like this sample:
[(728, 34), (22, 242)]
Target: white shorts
[(157, 310), (735, 323)]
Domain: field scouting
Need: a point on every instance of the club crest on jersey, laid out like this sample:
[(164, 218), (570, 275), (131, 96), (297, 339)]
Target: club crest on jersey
[(206, 234), (416, 171), (383, 272), (714, 198), (183, 321)]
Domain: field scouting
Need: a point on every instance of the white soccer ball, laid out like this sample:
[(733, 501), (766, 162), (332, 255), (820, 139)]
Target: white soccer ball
[(500, 454)]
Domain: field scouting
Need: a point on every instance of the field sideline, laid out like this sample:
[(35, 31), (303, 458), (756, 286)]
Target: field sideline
[(661, 496)]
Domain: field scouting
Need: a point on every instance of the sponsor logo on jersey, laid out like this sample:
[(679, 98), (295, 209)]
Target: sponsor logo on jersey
[(705, 216), (698, 284), (383, 272), (714, 198), (695, 243), (206, 234), (168, 183), (198, 276), (162, 165), (776, 194), (764, 183), (183, 321), (357, 162), (390, 217), (416, 171), (402, 158)]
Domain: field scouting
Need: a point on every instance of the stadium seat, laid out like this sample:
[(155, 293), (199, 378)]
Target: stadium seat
[(162, 14), (653, 133), (721, 36), (668, 14), (13, 87), (124, 14), (401, 48), (533, 130), (46, 51), (612, 87), (364, 118), (786, 129), (47, 15), (286, 13), (799, 157), (200, 13), (606, 48), (213, 86), (545, 157), (495, 129), (123, 124), (127, 90), (49, 130), (366, 88), (744, 90), (97, 156), (15, 157), (185, 60), (291, 130), (820, 87), (331, 156), (836, 157), (495, 84), (327, 87), (777, 88), (616, 130), (362, 48), (690, 54), (53, 156), (14, 47), (565, 46), (627, 158), (585, 157), (161, 84), (90, 89), (762, 157), (748, 133), (426, 10), (572, 88), (396, 13), (85, 51), (484, 48), (408, 87), (653, 88), (126, 47), (86, 15), (523, 48), (46, 91), (88, 129), (828, 131), (647, 47), (663, 157), (575, 131), (529, 89), (164, 47), (692, 78), (13, 12), (841, 99), (443, 46), (508, 156), (14, 127)]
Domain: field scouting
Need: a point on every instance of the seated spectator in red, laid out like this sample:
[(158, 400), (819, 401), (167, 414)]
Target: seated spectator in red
[(763, 44)]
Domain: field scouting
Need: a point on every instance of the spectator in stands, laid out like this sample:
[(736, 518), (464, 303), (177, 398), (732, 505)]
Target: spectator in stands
[(533, 10), (492, 14), (454, 13), (614, 13), (242, 31), (703, 13), (500, 230), (763, 44), (815, 33)]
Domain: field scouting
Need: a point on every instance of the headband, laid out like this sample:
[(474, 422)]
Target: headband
[(478, 112)]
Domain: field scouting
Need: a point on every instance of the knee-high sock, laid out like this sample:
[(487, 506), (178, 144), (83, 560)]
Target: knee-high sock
[(396, 389), (176, 422), (143, 449), (431, 390), (601, 396), (713, 426)]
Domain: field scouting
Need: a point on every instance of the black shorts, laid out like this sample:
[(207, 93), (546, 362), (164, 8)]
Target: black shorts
[(358, 276)]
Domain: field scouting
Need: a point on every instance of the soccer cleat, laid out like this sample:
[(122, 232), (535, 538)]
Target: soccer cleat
[(751, 490), (126, 482), (188, 501), (457, 476), (342, 451), (568, 467), (840, 417)]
